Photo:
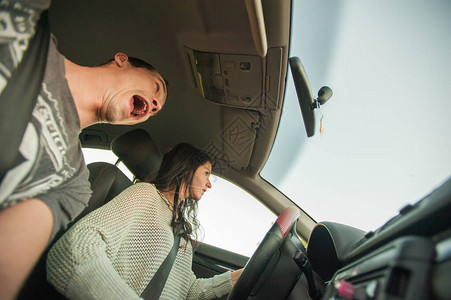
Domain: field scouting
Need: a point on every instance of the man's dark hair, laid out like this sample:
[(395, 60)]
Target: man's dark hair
[(138, 63), (178, 167)]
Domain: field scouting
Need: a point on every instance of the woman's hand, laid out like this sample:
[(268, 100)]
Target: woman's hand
[(235, 275)]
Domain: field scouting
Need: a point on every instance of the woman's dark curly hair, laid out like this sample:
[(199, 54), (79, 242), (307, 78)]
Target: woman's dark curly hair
[(177, 169)]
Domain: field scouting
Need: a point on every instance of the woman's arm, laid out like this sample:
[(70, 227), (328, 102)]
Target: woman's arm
[(235, 275), (214, 287)]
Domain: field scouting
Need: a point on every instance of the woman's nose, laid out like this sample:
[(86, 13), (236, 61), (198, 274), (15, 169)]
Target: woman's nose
[(209, 184)]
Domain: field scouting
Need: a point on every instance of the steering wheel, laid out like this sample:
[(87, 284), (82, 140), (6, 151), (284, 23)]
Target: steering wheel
[(272, 241)]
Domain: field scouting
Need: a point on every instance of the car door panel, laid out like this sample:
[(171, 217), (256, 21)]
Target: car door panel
[(209, 260)]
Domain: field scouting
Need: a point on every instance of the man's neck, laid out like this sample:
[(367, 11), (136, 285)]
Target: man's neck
[(86, 90)]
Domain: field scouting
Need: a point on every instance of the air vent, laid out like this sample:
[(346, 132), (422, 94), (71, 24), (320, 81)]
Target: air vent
[(398, 282)]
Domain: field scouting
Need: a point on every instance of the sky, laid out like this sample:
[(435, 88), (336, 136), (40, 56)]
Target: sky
[(387, 138)]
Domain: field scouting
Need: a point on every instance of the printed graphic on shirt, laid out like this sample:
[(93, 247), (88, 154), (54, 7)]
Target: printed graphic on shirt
[(48, 167), (17, 26)]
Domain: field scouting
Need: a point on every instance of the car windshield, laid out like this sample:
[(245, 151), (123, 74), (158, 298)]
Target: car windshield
[(386, 139)]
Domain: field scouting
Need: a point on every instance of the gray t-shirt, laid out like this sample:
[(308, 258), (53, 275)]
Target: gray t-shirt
[(54, 170)]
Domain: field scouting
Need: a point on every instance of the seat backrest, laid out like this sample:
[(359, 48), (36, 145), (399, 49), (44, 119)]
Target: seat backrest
[(107, 181), (141, 156), (139, 153)]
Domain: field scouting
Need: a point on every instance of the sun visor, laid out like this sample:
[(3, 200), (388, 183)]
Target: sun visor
[(239, 136), (234, 146)]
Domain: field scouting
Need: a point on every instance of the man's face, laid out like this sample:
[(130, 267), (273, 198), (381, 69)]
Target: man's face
[(137, 95)]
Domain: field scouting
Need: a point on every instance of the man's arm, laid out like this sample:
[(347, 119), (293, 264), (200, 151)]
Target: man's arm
[(25, 229)]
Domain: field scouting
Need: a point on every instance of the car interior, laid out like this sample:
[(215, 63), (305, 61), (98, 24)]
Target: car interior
[(227, 64)]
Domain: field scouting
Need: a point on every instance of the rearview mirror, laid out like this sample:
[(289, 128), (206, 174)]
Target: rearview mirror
[(305, 98)]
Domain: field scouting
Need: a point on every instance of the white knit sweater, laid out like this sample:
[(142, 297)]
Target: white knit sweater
[(113, 253)]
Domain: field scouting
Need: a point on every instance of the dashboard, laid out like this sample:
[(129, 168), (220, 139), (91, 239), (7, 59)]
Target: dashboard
[(407, 258)]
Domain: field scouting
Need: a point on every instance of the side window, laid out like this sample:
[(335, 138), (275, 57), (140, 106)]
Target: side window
[(232, 219)]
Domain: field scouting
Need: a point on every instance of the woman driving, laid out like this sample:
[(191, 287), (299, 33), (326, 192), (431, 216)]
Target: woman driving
[(115, 251)]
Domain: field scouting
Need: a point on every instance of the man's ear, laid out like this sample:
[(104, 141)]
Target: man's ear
[(120, 59)]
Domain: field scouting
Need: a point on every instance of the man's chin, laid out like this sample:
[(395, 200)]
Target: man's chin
[(131, 121)]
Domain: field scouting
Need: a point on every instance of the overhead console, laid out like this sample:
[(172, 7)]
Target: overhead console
[(236, 80), (247, 86)]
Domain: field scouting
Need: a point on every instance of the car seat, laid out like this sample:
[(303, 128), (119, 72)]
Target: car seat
[(141, 156), (138, 152)]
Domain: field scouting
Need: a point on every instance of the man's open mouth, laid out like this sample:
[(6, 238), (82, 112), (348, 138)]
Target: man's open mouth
[(139, 106)]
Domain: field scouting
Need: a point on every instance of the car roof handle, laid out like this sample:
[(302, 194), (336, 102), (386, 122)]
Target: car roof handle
[(257, 22)]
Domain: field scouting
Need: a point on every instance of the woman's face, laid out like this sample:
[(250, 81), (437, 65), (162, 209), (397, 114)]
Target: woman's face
[(201, 181)]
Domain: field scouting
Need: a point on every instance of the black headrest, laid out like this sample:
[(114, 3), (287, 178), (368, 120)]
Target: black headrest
[(138, 152)]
